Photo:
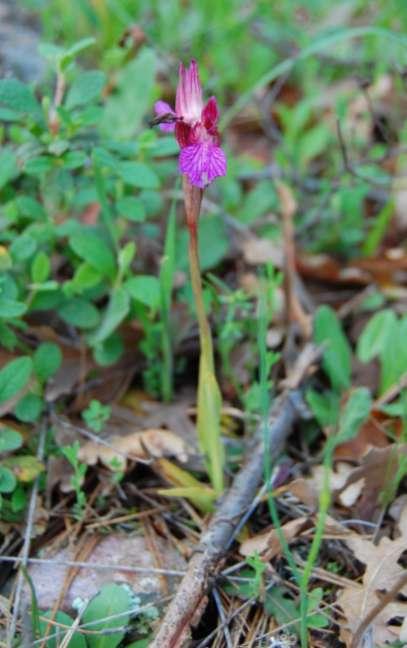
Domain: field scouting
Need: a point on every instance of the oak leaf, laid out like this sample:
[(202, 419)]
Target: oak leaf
[(381, 573)]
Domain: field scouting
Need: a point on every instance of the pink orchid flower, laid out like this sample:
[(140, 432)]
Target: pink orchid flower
[(201, 158)]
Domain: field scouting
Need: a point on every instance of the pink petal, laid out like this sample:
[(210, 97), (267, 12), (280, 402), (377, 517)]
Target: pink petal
[(188, 102), (210, 114), (202, 163), (162, 108)]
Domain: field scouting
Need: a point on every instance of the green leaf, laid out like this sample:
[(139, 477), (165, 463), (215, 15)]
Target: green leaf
[(30, 208), (40, 268), (146, 289), (85, 277), (312, 144), (133, 97), (115, 312), (5, 259), (8, 482), (18, 97), (9, 439), (8, 338), (208, 423), (376, 335), (355, 412), (138, 174), (378, 230), (337, 355), (74, 159), (14, 376), (282, 608), (201, 497), (109, 351), (87, 87), (80, 312), (325, 407), (8, 166), (11, 308), (47, 360), (39, 166), (112, 599), (67, 56), (59, 632), (126, 256), (23, 247), (92, 249), (131, 208), (29, 408)]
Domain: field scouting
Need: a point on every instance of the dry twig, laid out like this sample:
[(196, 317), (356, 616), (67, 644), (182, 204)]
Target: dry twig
[(190, 600)]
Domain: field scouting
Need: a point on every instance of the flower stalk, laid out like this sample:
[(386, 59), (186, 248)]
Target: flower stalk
[(201, 161), (209, 396)]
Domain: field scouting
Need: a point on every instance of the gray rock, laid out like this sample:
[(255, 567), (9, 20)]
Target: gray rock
[(19, 37)]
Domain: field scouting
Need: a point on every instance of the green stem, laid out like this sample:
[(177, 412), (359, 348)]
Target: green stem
[(324, 503), (205, 336), (209, 396)]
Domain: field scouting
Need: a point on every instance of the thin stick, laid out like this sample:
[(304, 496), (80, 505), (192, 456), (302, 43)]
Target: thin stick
[(189, 601), (222, 616), (27, 540), (89, 565), (294, 309)]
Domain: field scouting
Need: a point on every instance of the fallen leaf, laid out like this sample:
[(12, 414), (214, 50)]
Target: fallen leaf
[(347, 494), (152, 414), (303, 490), (371, 434), (154, 443), (258, 251), (382, 571), (268, 544), (376, 469)]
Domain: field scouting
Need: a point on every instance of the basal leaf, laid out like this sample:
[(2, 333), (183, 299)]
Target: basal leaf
[(337, 354), (112, 600)]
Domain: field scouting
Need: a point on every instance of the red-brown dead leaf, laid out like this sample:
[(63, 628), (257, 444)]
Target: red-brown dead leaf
[(377, 469), (371, 434)]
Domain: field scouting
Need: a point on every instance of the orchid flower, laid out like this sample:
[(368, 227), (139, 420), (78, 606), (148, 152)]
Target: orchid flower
[(195, 125)]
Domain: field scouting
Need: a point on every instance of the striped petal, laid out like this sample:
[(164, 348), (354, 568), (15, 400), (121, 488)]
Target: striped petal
[(202, 163)]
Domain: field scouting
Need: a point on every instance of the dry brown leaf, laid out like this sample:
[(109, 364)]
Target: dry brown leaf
[(382, 571), (384, 270), (144, 412), (268, 544), (304, 490), (346, 494), (154, 443), (376, 469), (307, 490), (371, 433), (257, 251)]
